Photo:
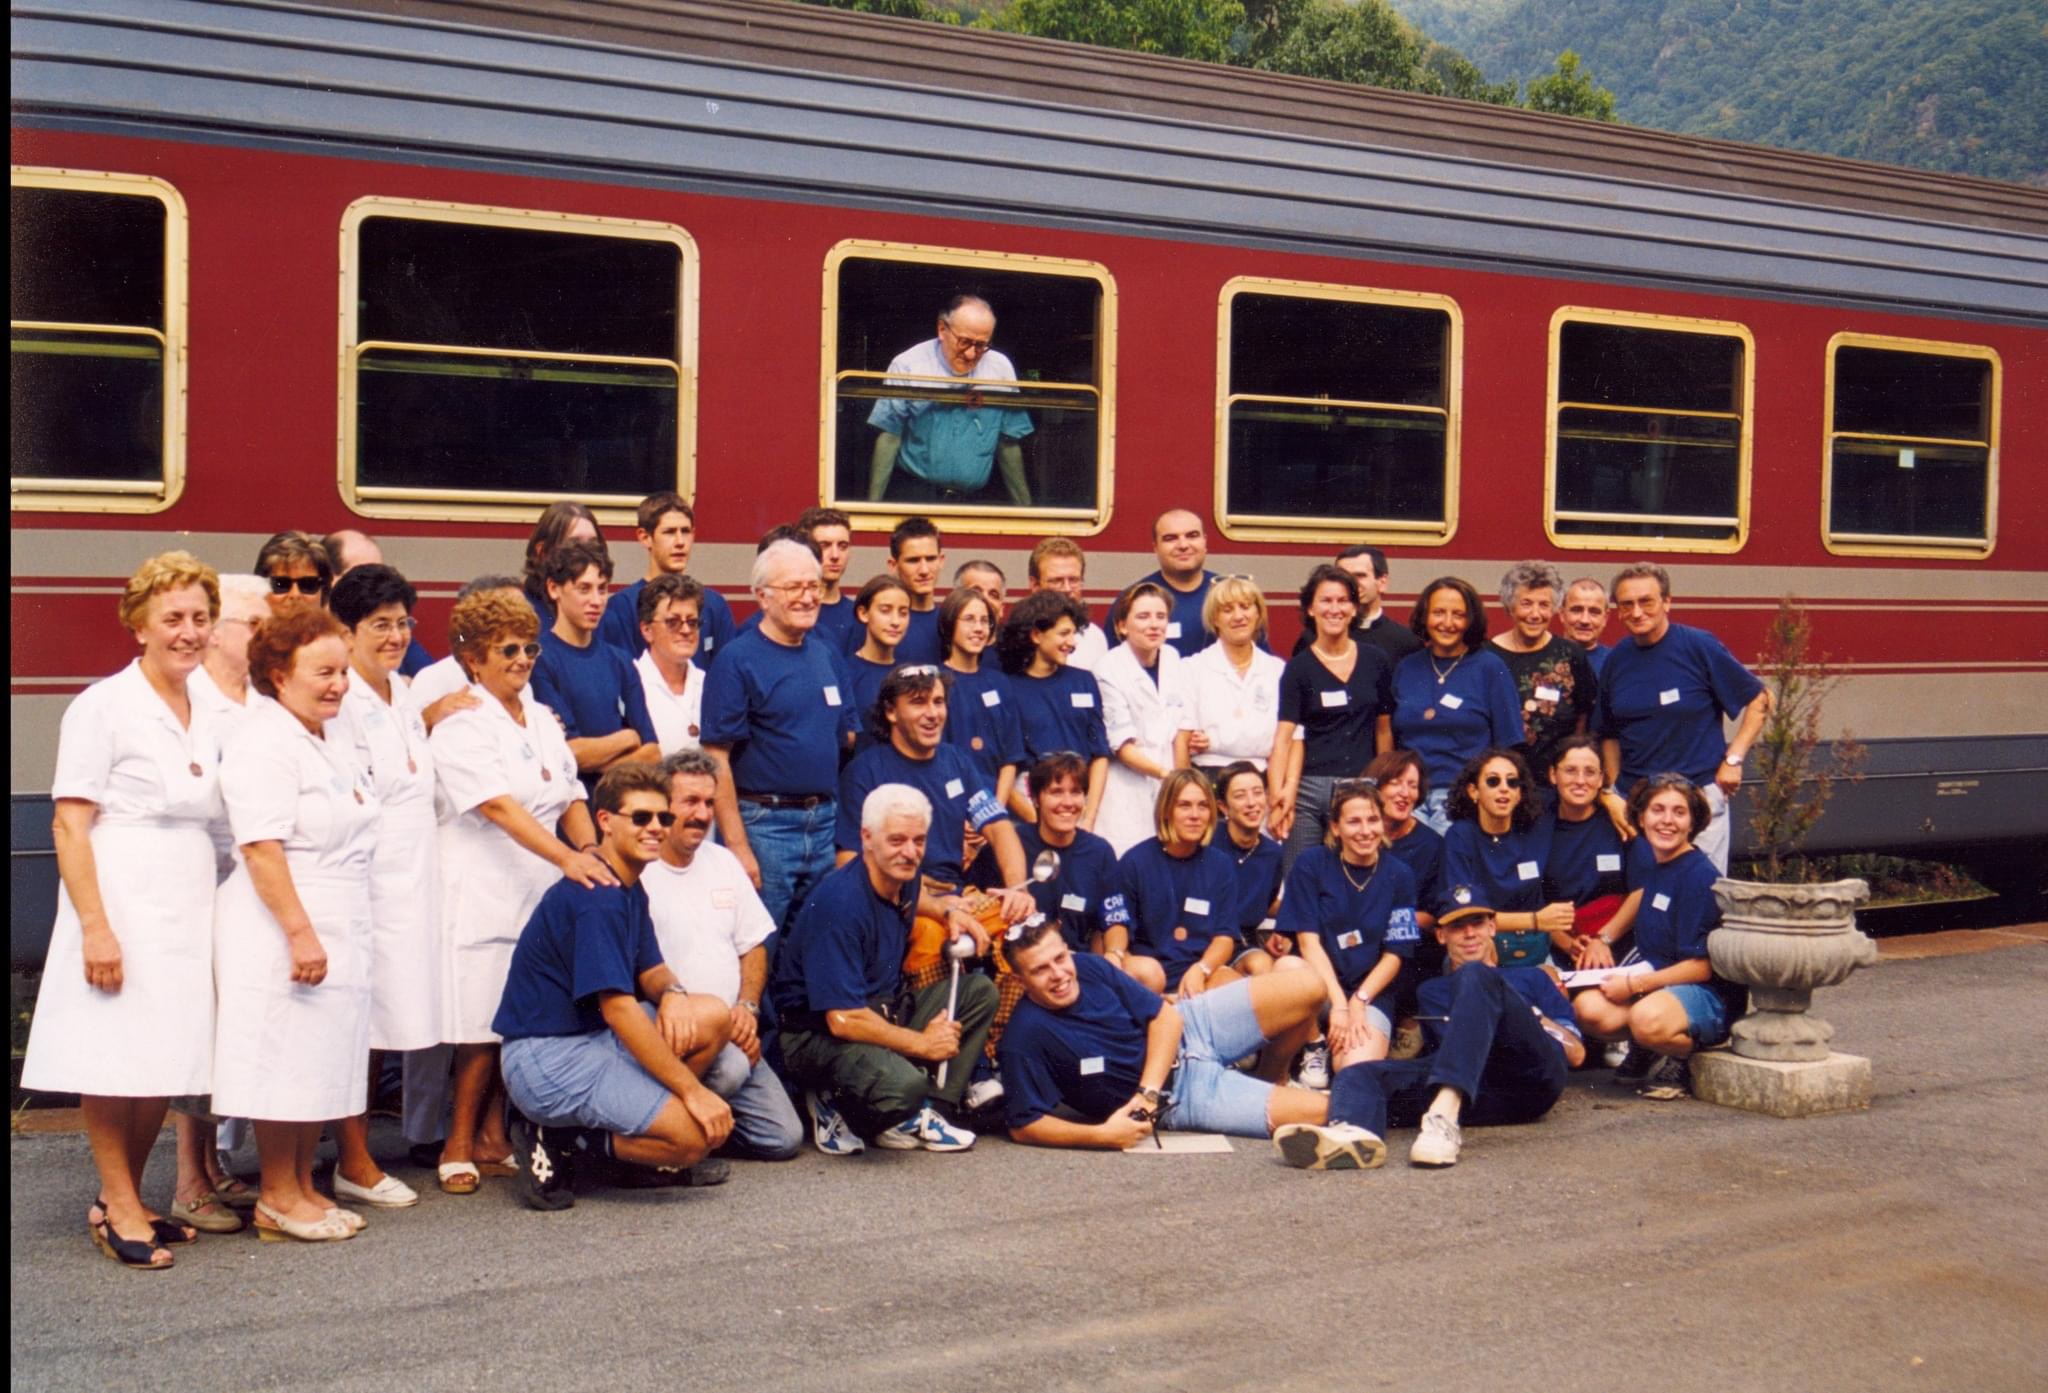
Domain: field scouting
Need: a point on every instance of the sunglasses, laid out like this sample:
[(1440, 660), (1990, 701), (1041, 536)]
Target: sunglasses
[(509, 651), (642, 816), (305, 585), (677, 624), (1501, 781)]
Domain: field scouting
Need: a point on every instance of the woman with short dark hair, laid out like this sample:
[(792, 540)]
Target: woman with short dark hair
[(1340, 696), (1456, 696), (297, 568), (1493, 849), (1059, 706), (560, 523)]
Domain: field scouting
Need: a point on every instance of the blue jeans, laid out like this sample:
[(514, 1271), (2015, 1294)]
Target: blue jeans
[(764, 1122), (794, 848), (1217, 1028), (1311, 813)]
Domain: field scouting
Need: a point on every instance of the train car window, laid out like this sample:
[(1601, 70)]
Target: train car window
[(1649, 432), (1912, 447), (498, 360), (930, 410), (97, 310), (1337, 413)]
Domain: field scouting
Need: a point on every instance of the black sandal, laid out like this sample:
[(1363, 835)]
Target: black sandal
[(168, 1232), (131, 1253)]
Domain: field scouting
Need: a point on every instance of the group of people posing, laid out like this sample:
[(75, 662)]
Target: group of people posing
[(619, 880)]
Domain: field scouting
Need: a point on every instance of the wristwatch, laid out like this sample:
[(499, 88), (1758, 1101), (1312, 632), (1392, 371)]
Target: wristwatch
[(753, 1007), (1733, 761), (1150, 1095)]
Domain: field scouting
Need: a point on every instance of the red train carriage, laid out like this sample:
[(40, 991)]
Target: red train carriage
[(420, 267)]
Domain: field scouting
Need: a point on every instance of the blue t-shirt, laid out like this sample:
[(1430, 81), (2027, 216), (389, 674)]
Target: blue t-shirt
[(960, 799), (1678, 908), (920, 642), (1586, 859), (1532, 984), (594, 689), (784, 712), (1664, 703), (836, 622), (579, 942), (1184, 623), (416, 658), (1355, 926), (1089, 1056), (1448, 722), (1060, 712), (844, 951), (1078, 893), (621, 625), (1597, 656), (1422, 852), (1339, 720), (981, 720), (1258, 881), (866, 687), (1505, 874), (1174, 906)]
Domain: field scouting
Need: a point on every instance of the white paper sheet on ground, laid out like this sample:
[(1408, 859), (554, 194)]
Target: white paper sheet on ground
[(1182, 1143), (1594, 976)]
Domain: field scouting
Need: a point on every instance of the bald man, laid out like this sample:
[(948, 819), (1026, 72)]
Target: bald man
[(351, 548), (1183, 551), (934, 450)]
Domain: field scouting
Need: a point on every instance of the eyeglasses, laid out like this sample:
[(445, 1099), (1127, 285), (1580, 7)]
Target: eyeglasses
[(1501, 781), (385, 628), (509, 651), (642, 816), (305, 585), (679, 624), (965, 344), (797, 589)]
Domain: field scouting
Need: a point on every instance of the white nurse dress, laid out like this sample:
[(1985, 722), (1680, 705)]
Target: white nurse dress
[(156, 784), (489, 883), (390, 743), (284, 1051), (1136, 708)]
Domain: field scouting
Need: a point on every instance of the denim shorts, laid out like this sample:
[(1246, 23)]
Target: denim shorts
[(1217, 1028), (582, 1081), (1706, 1014)]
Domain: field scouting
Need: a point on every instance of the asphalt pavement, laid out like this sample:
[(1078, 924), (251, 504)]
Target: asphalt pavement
[(1618, 1244)]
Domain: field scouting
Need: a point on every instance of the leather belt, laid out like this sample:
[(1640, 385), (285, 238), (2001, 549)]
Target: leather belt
[(786, 800)]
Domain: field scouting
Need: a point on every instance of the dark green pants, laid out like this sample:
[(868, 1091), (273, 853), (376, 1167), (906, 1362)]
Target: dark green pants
[(876, 1088)]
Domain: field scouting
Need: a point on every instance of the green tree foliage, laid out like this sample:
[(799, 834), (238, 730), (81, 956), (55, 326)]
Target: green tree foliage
[(1566, 91), (897, 9), (1177, 28)]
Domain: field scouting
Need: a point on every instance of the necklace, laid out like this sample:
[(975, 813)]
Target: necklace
[(1358, 885), (1443, 674)]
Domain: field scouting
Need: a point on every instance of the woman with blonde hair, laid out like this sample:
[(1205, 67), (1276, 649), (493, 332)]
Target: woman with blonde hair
[(125, 1014), (1231, 688), (1168, 920)]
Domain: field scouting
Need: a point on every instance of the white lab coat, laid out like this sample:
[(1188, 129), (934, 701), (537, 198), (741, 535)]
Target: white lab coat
[(157, 785), (1239, 714), (1135, 708), (390, 743), (283, 1051), (489, 883)]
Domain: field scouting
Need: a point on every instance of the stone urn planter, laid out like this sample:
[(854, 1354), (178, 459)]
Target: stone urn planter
[(1784, 942)]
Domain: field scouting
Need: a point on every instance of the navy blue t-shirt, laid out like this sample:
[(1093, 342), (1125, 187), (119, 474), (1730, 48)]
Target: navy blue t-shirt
[(784, 712), (981, 719), (1532, 984), (621, 625), (845, 949), (1355, 926), (594, 689), (1597, 656), (1089, 1056), (920, 642), (1184, 622), (1061, 712), (866, 678), (1678, 908), (1664, 703), (1448, 722), (1586, 860), (1339, 720), (1174, 906), (960, 798), (1258, 881), (1422, 852), (579, 942), (417, 658), (1505, 874), (1076, 895)]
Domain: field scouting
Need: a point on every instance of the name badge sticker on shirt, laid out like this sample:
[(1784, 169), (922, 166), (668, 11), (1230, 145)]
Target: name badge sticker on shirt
[(991, 697), (955, 787), (1091, 1065), (1351, 939), (1173, 629), (1528, 870), (831, 696), (1335, 698), (1452, 700), (1078, 904), (1607, 861), (1195, 906), (1660, 902), (1549, 694), (1668, 697), (1084, 700)]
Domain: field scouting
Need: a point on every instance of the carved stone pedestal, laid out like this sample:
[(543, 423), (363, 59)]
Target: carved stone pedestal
[(1834, 1083)]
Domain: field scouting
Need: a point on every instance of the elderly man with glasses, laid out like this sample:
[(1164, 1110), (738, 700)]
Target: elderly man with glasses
[(948, 450)]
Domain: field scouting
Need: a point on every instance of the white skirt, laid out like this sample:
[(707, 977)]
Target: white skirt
[(490, 886), (154, 1037), (405, 930), (285, 1052)]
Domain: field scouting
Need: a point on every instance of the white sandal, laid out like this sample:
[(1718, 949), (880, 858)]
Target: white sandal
[(331, 1228), (453, 1174)]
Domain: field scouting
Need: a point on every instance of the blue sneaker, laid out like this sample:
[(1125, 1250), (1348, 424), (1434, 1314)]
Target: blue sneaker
[(927, 1131), (829, 1132)]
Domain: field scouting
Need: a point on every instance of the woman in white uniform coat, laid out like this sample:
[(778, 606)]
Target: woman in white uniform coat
[(1142, 710), (292, 924), (125, 1015), (1232, 687), (390, 742), (507, 783)]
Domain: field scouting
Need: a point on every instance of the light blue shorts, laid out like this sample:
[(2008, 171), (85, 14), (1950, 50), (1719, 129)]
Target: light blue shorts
[(1217, 1028), (1706, 1014), (582, 1081)]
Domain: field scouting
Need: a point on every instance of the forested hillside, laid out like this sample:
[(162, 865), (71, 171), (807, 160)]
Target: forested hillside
[(1958, 85)]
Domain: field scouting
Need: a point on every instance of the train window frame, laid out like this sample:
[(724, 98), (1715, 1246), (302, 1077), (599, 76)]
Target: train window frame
[(1745, 454), (1870, 544), (109, 496), (484, 505), (998, 520), (1259, 527)]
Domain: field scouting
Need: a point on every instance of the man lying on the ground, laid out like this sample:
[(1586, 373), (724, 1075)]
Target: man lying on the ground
[(1500, 1044)]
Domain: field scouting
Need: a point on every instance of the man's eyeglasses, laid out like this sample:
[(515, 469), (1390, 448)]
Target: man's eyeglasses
[(642, 816), (385, 628), (965, 344), (1501, 780), (509, 651), (305, 585), (798, 589)]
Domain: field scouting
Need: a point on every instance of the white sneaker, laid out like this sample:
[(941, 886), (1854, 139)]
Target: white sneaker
[(1615, 1053), (927, 1131), (1333, 1146), (829, 1132), (1314, 1069), (1438, 1143), (982, 1092)]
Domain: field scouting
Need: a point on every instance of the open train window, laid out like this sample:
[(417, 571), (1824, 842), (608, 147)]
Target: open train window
[(1649, 432), (1337, 413), (494, 360), (1912, 448), (929, 410), (96, 377)]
